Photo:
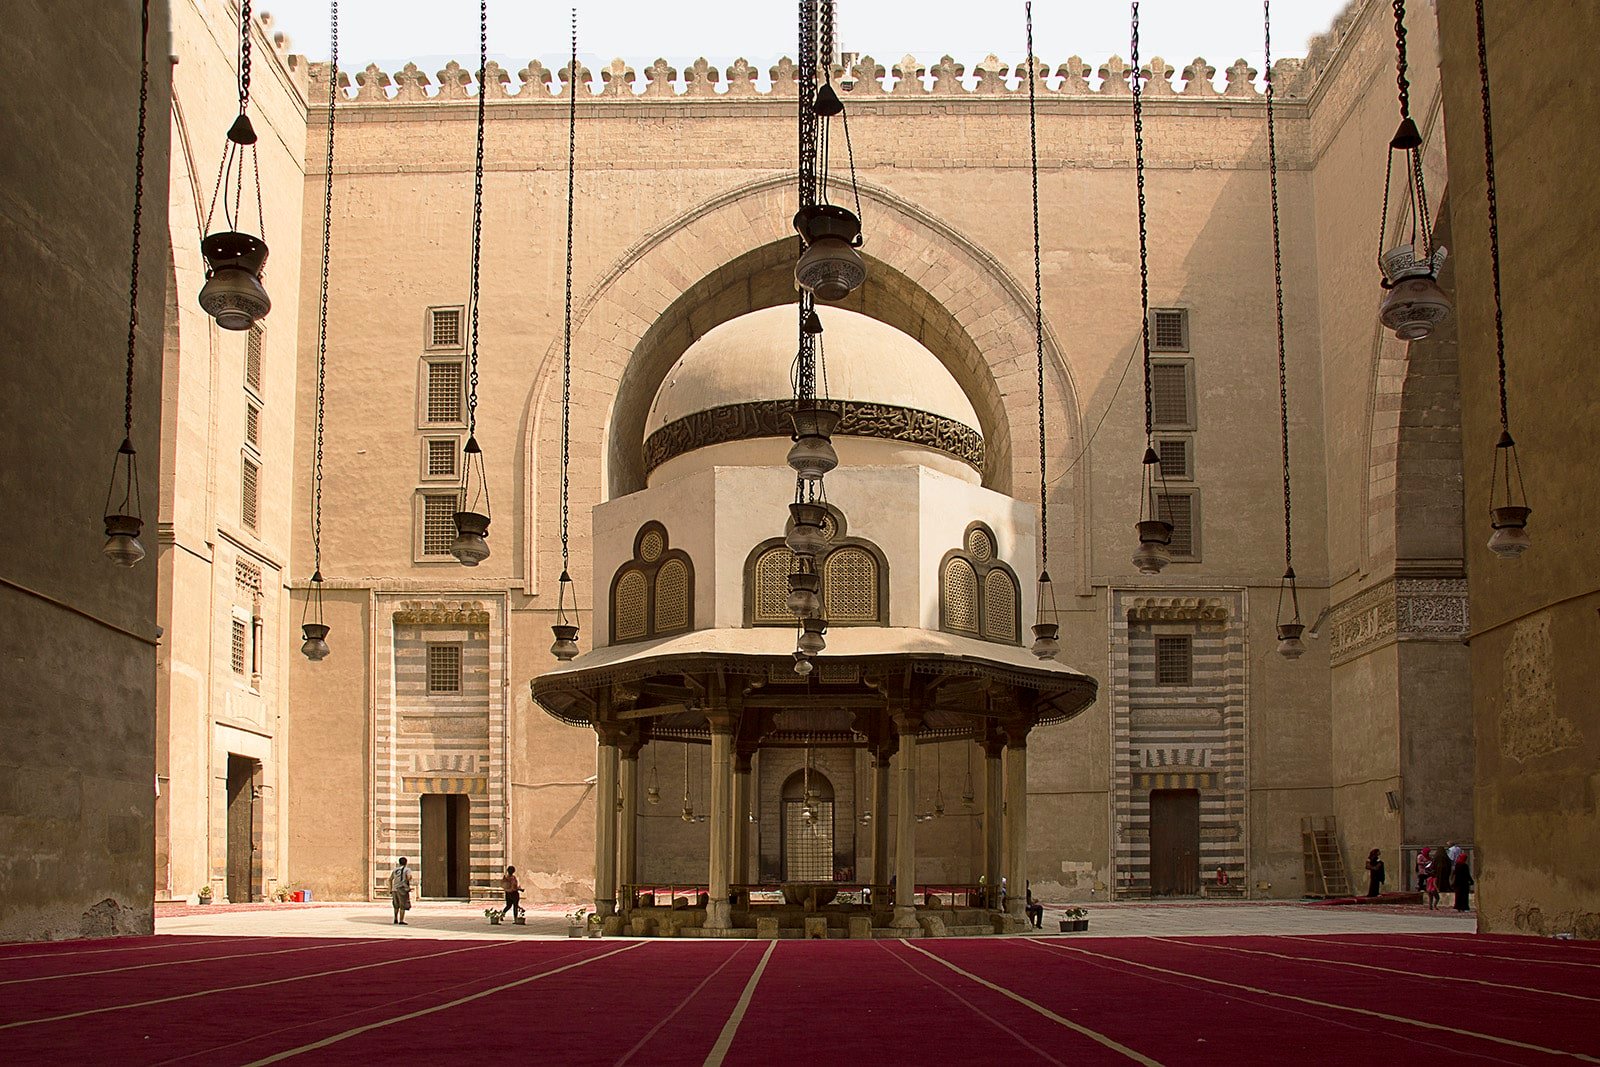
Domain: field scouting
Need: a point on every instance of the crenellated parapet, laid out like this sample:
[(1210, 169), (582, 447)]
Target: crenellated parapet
[(864, 78)]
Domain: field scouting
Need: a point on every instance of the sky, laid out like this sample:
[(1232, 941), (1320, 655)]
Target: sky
[(429, 32)]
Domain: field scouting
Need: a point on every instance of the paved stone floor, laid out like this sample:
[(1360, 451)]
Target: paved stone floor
[(457, 920)]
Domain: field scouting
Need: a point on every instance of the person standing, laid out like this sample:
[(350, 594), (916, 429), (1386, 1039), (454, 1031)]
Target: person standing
[(1441, 868), (400, 891), (1375, 873), (513, 891), (1461, 880)]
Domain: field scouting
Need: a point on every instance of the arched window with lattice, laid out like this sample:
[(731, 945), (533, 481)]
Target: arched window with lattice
[(978, 592), (652, 594), (855, 580)]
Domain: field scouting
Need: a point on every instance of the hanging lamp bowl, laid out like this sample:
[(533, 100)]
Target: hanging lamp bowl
[(830, 268), (1413, 305), (471, 546), (565, 646), (1290, 646), (122, 545), (233, 294), (315, 648), (802, 663), (811, 641), (653, 794), (1510, 538), (805, 591), (1155, 535), (807, 536), (812, 454), (1046, 639)]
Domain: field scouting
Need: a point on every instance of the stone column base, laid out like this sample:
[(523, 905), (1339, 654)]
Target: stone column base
[(905, 918), (719, 915), (604, 908)]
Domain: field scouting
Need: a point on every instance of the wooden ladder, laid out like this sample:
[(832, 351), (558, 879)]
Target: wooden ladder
[(1324, 865)]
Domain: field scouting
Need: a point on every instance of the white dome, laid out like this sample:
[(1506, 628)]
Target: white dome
[(749, 358)]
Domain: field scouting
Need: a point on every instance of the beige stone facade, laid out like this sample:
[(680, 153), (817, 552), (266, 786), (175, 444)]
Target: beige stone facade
[(683, 197)]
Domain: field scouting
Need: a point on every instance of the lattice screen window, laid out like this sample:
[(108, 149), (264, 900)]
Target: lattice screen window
[(445, 401), (441, 459), (959, 589), (630, 607), (770, 577), (980, 546), (1174, 453), (850, 585), (249, 484), (444, 668), (1179, 509), (999, 606), (247, 579), (807, 845), (444, 328), (1174, 660), (672, 596), (1169, 329), (438, 524), (252, 426), (240, 637), (252, 358), (1169, 396)]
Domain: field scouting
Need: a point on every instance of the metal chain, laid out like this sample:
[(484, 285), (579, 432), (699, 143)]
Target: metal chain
[(1038, 290), (566, 321), (805, 370), (244, 55), (1494, 219), (138, 214), (1144, 237), (477, 219), (1277, 284), (825, 42), (322, 301), (1400, 58)]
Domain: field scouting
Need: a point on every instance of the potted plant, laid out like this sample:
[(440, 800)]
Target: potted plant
[(493, 915), (576, 919), (594, 924), (1074, 920), (204, 896)]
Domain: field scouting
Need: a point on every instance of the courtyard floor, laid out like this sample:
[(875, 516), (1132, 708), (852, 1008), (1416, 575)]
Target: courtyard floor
[(1227, 984)]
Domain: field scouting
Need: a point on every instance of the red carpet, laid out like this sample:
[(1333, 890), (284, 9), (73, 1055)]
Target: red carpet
[(1063, 1000)]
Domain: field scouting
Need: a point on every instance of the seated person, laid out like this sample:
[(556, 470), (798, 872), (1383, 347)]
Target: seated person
[(1034, 910)]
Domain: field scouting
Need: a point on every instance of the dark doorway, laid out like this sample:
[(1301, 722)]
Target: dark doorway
[(244, 830), (446, 845), (1175, 842), (808, 828)]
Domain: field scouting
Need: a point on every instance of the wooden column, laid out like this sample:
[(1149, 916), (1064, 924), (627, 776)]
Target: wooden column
[(1017, 820), (993, 824), (605, 818), (719, 916)]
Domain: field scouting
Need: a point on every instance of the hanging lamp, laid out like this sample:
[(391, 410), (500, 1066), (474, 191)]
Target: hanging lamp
[(687, 815), (1290, 644), (967, 794), (472, 517), (829, 267), (233, 294), (1046, 625), (938, 781), (124, 514), (653, 790), (565, 629), (1413, 305), (1508, 497), (312, 627), (1154, 530)]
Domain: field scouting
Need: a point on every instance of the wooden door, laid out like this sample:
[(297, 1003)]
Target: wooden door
[(241, 829), (435, 866), (460, 845), (1175, 842)]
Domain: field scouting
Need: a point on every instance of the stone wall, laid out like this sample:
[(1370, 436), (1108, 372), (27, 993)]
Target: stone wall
[(1535, 623), (77, 767)]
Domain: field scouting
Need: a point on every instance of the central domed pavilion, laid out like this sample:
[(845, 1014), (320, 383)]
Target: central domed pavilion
[(926, 582)]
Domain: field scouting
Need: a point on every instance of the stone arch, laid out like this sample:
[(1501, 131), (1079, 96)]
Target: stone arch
[(732, 255)]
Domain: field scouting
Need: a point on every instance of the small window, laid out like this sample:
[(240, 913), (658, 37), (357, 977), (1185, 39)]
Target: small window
[(248, 484), (1169, 329), (239, 638), (1174, 453), (1174, 660), (252, 426), (438, 524), (252, 359), (1179, 509), (441, 459), (444, 328), (1169, 396), (444, 668), (444, 391)]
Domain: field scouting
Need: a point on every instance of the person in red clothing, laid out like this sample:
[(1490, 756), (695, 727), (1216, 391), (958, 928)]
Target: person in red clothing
[(513, 891)]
